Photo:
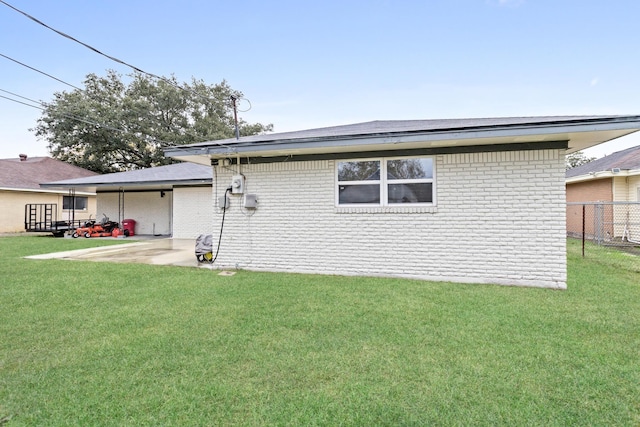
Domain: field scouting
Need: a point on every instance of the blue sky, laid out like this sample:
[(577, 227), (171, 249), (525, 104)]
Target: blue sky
[(307, 64)]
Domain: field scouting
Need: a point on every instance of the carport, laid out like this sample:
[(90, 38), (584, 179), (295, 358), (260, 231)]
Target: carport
[(144, 195)]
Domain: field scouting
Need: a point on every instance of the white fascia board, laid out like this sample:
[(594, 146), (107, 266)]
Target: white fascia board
[(166, 184), (34, 190), (591, 177), (601, 175)]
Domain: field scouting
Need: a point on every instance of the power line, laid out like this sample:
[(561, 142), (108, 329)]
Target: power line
[(98, 125), (76, 40), (79, 119), (36, 70), (137, 69), (119, 61), (20, 102), (164, 79), (20, 96)]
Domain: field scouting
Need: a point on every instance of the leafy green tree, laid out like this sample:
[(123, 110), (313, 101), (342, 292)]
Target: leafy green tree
[(576, 159), (113, 126)]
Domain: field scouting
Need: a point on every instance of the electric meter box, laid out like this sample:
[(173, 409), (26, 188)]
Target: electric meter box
[(237, 184)]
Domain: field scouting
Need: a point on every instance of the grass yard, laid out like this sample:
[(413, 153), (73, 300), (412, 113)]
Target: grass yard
[(104, 344)]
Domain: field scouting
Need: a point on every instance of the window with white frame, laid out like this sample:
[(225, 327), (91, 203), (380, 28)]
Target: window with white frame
[(78, 203), (385, 181)]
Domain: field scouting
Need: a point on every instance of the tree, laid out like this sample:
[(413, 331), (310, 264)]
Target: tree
[(576, 159), (111, 126)]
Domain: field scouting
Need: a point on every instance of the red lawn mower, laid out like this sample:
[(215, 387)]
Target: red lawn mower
[(91, 228)]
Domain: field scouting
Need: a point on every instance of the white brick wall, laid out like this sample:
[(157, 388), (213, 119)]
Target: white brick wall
[(500, 218)]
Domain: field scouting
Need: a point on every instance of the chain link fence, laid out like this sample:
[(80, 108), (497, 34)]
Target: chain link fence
[(613, 224)]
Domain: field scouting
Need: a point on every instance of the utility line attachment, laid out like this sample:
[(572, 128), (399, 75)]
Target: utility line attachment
[(235, 114)]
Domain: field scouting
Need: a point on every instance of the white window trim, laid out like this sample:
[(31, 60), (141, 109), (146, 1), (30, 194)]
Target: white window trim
[(383, 182)]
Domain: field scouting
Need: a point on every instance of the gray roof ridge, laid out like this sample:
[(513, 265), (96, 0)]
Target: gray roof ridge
[(626, 159)]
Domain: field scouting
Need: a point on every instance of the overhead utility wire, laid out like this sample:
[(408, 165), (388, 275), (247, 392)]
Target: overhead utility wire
[(78, 41), (20, 102), (72, 117), (119, 61), (23, 97), (36, 70), (80, 119), (164, 79)]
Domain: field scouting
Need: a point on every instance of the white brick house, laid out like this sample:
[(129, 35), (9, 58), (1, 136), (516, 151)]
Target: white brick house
[(477, 201)]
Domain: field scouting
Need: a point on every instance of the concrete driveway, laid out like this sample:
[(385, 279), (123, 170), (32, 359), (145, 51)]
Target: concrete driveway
[(164, 251)]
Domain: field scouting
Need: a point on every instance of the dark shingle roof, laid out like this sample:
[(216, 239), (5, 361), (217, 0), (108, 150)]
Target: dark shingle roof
[(578, 132), (381, 127), (175, 173), (30, 172), (628, 159)]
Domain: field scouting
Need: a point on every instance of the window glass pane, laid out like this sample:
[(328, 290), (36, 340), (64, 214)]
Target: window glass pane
[(359, 194), (410, 193), (81, 203), (359, 171), (410, 169)]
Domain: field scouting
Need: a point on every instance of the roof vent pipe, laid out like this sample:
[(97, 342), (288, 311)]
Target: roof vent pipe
[(23, 157)]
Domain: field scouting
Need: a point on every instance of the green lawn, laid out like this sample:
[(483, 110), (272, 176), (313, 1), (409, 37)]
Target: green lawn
[(90, 344)]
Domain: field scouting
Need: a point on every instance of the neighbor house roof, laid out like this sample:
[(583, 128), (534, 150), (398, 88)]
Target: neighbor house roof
[(621, 163), (440, 136), (155, 177), (26, 173)]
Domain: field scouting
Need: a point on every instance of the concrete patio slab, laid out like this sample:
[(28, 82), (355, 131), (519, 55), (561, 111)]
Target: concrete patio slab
[(179, 252)]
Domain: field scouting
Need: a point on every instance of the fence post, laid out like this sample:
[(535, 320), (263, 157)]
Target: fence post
[(583, 228)]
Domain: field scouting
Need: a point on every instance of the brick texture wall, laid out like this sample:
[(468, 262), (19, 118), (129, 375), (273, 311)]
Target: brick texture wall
[(500, 218), (600, 190)]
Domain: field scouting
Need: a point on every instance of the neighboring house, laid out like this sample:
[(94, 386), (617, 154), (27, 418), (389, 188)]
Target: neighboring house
[(613, 178), (159, 199), (20, 180), (473, 200)]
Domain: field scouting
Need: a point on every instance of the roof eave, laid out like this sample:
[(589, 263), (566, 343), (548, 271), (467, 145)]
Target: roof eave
[(52, 190), (442, 138), (603, 174), (151, 184)]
